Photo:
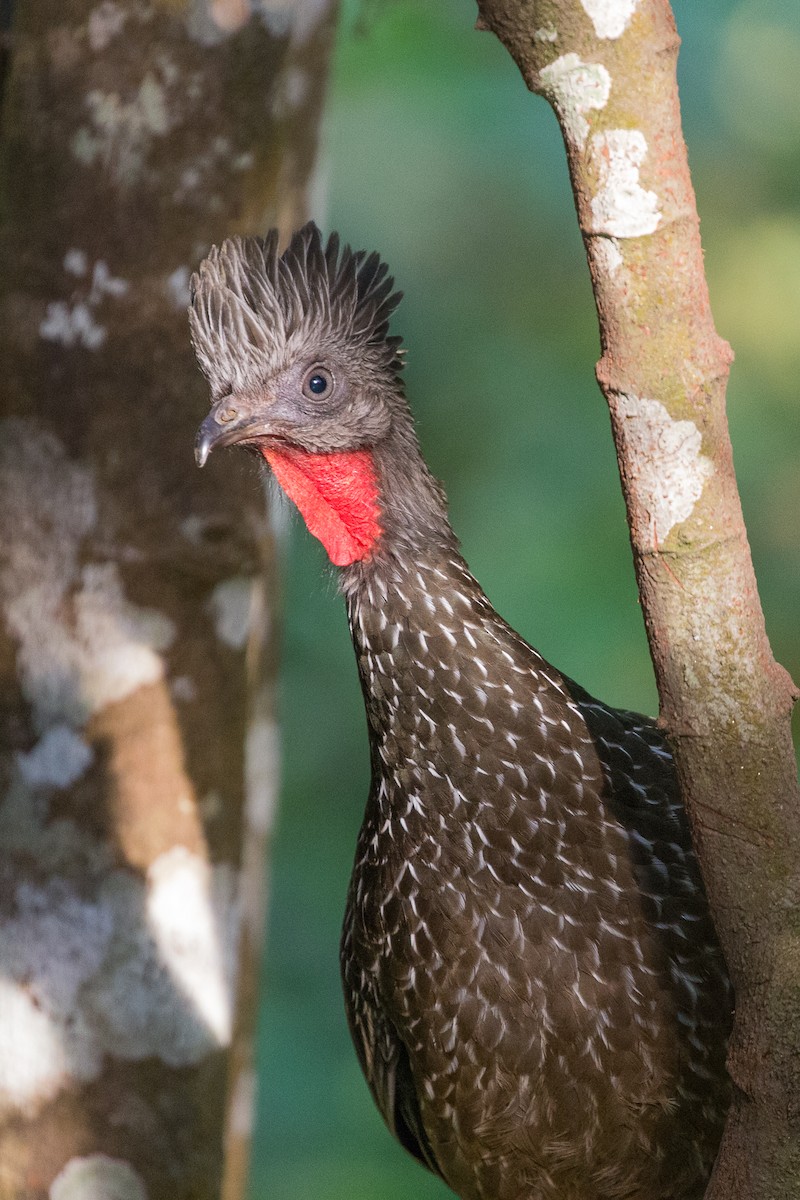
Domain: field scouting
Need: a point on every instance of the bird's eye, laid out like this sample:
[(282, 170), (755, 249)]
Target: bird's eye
[(318, 384)]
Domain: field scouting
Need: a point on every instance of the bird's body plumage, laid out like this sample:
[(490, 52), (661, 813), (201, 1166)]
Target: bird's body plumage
[(531, 975), (532, 980)]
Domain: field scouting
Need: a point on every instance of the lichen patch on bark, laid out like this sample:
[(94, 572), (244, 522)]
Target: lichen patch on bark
[(672, 471), (608, 255), (120, 131), (177, 287), (58, 759), (192, 911), (145, 968), (166, 989), (119, 643), (34, 1063), (106, 22), (98, 1177), (620, 206), (50, 947), (575, 87), (82, 644), (262, 756), (230, 606), (610, 17), (74, 323)]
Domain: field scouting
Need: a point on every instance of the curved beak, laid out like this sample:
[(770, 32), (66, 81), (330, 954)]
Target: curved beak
[(227, 423)]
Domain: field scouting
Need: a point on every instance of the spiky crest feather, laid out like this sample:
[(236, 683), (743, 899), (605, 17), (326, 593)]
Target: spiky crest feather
[(253, 309)]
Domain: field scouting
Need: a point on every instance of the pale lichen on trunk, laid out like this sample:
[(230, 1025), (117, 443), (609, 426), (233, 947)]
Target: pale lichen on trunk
[(137, 639), (608, 69)]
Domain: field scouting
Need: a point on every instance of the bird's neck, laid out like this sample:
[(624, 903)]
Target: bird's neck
[(413, 507), (368, 507), (415, 627)]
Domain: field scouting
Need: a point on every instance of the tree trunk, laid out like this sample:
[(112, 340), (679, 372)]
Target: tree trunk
[(136, 645), (608, 69)]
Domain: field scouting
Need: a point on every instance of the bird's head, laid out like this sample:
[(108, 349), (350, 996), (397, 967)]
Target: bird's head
[(296, 349)]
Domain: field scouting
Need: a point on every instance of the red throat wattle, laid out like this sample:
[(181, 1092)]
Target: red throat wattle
[(337, 495)]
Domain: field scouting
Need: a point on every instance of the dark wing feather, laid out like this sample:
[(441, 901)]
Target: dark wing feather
[(405, 1118), (382, 1054)]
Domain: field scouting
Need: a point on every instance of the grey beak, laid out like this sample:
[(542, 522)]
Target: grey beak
[(224, 425), (204, 442)]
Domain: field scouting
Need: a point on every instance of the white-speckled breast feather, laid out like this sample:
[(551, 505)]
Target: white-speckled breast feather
[(532, 978)]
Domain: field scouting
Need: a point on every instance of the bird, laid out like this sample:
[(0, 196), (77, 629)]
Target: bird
[(532, 979)]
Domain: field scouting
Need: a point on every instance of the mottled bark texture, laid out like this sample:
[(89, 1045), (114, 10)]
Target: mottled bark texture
[(608, 69), (135, 591)]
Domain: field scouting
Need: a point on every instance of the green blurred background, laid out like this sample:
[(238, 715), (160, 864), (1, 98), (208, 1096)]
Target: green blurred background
[(436, 154)]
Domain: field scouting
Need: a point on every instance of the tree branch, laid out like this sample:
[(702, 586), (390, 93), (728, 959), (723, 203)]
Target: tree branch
[(607, 67)]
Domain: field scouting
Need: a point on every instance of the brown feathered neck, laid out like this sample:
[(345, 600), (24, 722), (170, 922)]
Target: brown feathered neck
[(411, 508)]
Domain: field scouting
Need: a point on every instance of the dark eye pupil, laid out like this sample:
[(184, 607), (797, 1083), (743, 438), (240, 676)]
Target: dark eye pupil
[(318, 384)]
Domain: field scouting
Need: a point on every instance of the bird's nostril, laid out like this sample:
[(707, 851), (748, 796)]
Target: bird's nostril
[(227, 415)]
